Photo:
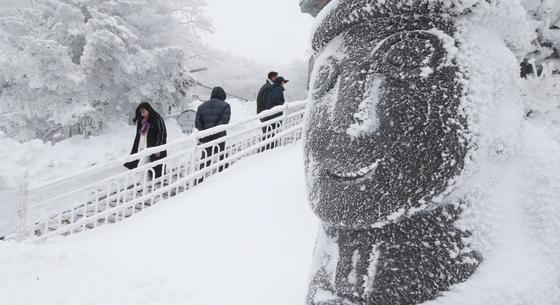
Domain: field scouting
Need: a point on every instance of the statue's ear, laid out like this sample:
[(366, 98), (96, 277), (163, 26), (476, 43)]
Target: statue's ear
[(412, 55)]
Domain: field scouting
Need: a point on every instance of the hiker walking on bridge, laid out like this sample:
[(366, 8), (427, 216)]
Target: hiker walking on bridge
[(150, 132), (210, 114), (261, 100), (263, 92), (274, 98)]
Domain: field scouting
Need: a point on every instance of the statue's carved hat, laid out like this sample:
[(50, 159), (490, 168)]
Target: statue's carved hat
[(313, 7), (346, 13)]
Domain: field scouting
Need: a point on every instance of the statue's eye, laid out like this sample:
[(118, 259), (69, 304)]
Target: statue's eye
[(410, 55), (326, 77)]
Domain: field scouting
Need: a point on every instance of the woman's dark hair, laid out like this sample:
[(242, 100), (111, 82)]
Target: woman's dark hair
[(146, 106)]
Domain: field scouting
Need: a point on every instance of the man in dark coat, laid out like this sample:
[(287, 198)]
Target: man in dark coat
[(213, 113), (156, 135), (263, 92), (275, 98), (210, 114), (261, 97)]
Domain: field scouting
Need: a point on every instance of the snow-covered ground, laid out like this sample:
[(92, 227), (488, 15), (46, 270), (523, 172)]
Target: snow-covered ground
[(244, 237)]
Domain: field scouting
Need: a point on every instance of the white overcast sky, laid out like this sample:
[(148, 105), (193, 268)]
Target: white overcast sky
[(269, 31)]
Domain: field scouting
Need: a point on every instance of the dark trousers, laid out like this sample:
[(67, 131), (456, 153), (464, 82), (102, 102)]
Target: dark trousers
[(269, 132), (158, 169), (209, 152)]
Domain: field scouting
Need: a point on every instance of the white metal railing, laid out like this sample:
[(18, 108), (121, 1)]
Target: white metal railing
[(105, 193)]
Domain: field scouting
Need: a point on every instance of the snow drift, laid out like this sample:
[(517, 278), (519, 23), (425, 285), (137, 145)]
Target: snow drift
[(248, 242)]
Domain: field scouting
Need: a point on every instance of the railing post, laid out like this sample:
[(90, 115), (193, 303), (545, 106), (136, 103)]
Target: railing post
[(284, 123), (27, 228), (194, 156), (22, 209)]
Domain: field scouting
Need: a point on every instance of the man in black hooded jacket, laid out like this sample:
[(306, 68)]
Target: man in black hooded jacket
[(210, 114), (213, 113)]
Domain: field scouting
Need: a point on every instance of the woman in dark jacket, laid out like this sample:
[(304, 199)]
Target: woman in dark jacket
[(150, 132)]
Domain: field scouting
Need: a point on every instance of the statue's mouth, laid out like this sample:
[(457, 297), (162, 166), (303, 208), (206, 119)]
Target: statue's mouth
[(355, 175)]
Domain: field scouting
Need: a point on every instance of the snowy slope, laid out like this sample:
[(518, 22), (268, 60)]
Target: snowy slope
[(241, 238)]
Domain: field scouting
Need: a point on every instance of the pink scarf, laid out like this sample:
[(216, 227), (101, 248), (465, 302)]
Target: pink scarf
[(144, 127)]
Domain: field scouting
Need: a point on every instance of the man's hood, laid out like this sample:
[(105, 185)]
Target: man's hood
[(218, 93)]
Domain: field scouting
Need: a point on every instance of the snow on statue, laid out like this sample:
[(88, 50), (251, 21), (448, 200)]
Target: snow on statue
[(431, 184)]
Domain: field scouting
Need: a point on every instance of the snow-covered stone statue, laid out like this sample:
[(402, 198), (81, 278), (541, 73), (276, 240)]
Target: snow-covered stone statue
[(415, 114)]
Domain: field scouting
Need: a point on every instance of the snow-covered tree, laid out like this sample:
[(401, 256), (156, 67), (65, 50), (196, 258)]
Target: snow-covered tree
[(63, 60), (191, 14)]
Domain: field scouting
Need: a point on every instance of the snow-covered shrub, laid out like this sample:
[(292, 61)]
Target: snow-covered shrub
[(61, 60), (545, 16)]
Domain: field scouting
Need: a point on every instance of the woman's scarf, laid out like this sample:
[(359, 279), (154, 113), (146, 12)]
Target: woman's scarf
[(144, 127)]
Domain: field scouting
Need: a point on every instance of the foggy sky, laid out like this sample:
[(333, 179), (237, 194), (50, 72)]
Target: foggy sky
[(269, 31)]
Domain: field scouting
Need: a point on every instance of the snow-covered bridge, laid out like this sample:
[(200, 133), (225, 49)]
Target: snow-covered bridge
[(104, 194)]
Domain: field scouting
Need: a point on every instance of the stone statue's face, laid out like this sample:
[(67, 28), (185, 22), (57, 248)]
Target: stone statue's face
[(383, 136)]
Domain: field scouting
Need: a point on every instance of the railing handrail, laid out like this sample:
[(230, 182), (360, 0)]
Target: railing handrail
[(153, 150), (155, 163), (106, 197), (156, 192)]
